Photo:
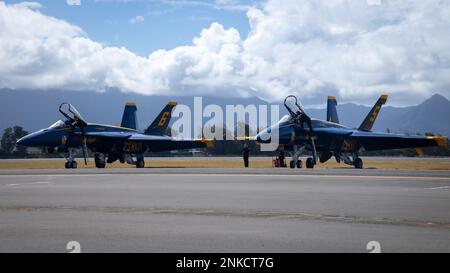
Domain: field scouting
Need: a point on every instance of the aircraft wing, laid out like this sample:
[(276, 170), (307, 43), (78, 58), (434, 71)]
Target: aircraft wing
[(127, 136), (157, 143), (142, 137), (333, 131), (381, 141), (118, 135)]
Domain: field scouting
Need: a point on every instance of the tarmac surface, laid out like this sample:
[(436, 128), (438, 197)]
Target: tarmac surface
[(224, 210)]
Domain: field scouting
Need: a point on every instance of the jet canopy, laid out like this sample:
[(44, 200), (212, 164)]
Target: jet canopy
[(58, 125), (294, 108), (285, 120), (72, 114), (297, 112)]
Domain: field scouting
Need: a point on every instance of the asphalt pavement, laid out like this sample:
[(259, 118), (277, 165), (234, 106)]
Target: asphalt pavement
[(224, 210)]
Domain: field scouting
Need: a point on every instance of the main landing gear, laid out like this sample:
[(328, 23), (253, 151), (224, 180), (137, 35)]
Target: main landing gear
[(140, 163), (310, 163), (354, 161), (100, 160), (358, 163)]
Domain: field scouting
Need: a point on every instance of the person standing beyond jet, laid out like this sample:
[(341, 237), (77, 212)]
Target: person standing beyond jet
[(245, 154), (281, 156)]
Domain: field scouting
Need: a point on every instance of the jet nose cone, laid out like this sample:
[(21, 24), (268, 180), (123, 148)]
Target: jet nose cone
[(31, 140), (263, 136), (258, 138), (24, 141)]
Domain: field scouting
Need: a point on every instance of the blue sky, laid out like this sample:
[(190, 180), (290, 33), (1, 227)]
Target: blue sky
[(165, 24)]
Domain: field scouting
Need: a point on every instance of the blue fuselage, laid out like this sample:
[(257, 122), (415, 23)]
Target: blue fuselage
[(67, 137), (330, 136)]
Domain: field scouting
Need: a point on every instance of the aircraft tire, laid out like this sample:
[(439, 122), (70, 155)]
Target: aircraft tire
[(99, 163), (299, 164), (292, 164), (358, 163), (73, 165), (310, 163), (140, 163)]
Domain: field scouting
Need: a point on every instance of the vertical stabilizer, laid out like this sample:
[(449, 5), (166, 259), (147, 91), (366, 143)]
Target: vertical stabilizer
[(368, 122), (161, 122), (129, 119), (332, 115)]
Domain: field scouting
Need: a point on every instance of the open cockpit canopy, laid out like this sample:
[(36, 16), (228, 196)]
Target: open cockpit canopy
[(58, 125), (294, 108), (72, 114)]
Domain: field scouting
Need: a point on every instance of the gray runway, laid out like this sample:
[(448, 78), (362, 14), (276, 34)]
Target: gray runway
[(224, 210)]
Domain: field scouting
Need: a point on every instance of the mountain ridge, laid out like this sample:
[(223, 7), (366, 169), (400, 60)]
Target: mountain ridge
[(21, 107)]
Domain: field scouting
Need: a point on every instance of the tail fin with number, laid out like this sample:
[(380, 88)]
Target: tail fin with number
[(161, 122), (368, 122)]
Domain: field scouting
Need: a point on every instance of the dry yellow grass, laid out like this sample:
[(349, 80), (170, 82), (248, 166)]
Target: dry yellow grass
[(230, 163)]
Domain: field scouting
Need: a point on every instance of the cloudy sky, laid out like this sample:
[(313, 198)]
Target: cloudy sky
[(354, 49)]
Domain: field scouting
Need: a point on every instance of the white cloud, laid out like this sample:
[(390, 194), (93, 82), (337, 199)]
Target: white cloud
[(73, 2), (136, 19), (354, 49), (29, 5), (374, 2)]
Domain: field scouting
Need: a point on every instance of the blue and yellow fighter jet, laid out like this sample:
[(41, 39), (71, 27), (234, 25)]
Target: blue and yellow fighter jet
[(298, 132), (109, 143)]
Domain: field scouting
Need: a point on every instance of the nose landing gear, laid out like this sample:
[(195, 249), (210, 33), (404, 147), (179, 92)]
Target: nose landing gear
[(296, 162), (71, 163), (299, 164)]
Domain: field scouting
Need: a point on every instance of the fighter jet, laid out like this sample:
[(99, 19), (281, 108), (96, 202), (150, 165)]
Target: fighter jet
[(298, 132), (109, 143)]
